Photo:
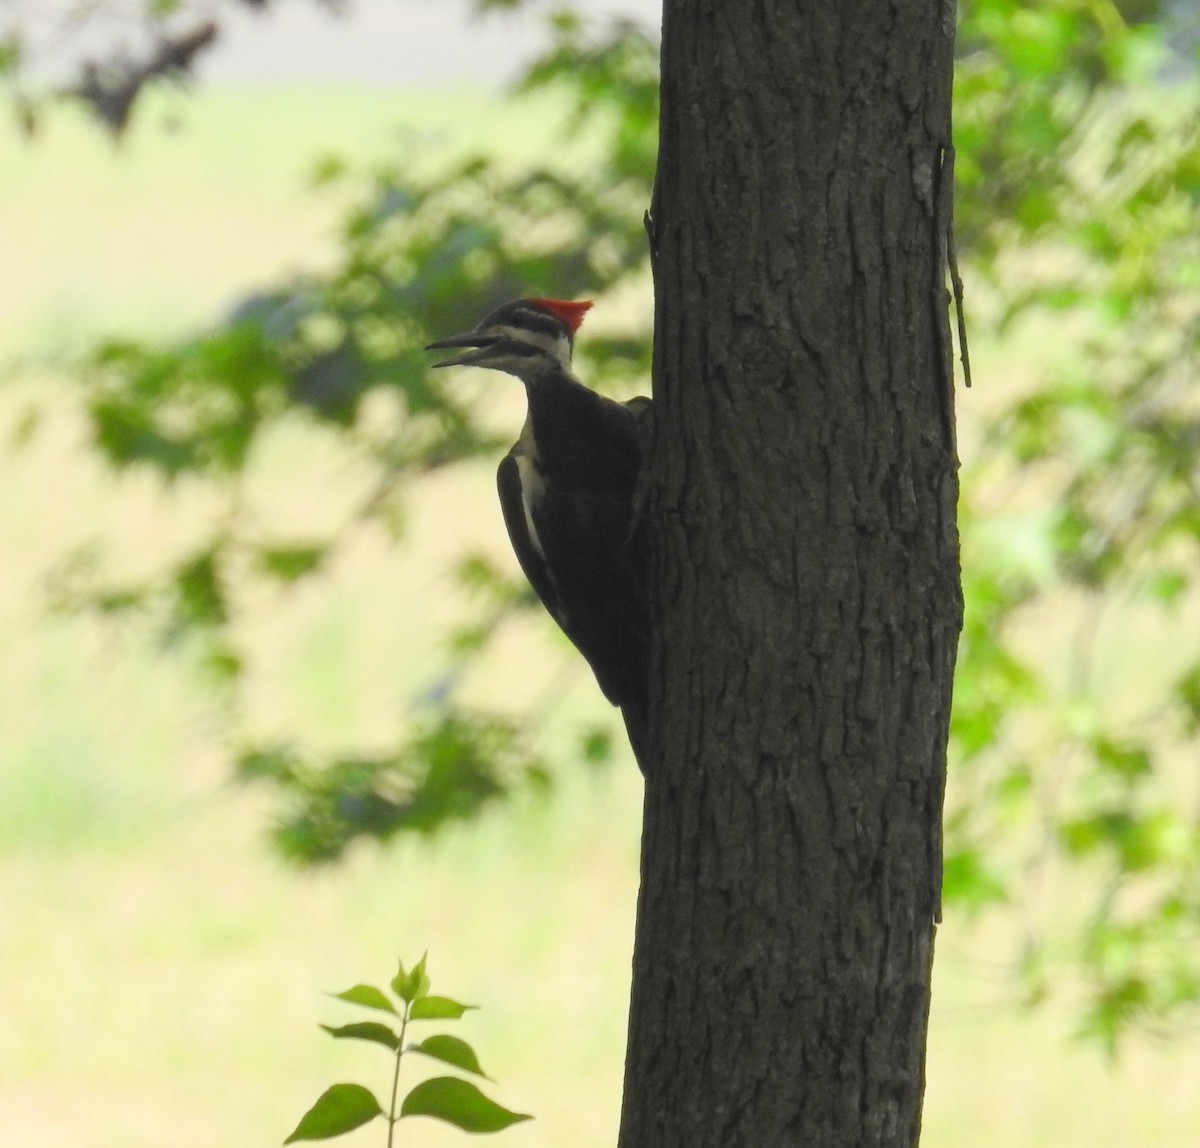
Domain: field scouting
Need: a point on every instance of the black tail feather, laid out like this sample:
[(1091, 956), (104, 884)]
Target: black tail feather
[(637, 726)]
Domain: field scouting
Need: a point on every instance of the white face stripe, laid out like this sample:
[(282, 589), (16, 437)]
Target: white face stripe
[(557, 347)]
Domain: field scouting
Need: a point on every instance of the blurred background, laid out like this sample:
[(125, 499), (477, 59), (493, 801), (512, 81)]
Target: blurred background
[(274, 709)]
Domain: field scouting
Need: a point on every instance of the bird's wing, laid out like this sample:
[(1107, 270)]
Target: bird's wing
[(523, 536), (641, 407), (597, 598), (583, 575), (573, 545)]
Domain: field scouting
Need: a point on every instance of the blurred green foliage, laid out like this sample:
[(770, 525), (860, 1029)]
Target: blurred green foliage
[(1078, 219), (1078, 134)]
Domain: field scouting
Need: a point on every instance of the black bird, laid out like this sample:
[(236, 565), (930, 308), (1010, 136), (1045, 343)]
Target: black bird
[(567, 491)]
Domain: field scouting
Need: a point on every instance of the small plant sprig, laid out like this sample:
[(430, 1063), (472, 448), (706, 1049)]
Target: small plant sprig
[(344, 1107)]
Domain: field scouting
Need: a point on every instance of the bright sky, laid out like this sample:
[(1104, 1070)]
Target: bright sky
[(391, 43), (402, 44)]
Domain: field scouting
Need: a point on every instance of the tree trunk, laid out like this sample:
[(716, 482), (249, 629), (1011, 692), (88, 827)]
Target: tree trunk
[(801, 507)]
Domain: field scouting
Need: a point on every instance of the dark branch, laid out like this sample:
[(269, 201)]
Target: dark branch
[(111, 90)]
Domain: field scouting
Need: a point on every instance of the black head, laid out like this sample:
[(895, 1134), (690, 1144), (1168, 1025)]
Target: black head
[(525, 337)]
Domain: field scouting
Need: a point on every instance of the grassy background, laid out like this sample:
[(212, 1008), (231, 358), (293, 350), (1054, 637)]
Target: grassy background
[(160, 972)]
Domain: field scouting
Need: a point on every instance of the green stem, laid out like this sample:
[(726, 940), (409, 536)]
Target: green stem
[(392, 1117)]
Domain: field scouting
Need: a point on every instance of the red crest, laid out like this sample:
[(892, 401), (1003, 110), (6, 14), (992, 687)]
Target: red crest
[(570, 313)]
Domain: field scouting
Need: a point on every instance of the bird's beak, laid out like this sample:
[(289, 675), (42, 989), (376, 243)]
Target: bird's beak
[(480, 342)]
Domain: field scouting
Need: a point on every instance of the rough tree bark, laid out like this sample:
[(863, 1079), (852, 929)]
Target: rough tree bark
[(801, 505)]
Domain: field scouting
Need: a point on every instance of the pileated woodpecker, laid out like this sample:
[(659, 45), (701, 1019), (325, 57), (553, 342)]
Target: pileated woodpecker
[(567, 493)]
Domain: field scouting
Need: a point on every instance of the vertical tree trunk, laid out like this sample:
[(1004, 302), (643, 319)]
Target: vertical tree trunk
[(802, 504)]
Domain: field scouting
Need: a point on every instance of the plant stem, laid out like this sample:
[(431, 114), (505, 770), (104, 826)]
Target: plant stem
[(392, 1117)]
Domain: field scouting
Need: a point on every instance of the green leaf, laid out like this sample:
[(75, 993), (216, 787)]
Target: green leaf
[(290, 563), (1081, 836), (969, 880), (420, 978), (326, 169), (1125, 759), (597, 746), (200, 596), (341, 1108), (278, 763), (460, 1103), (451, 1050), (411, 986), (437, 1008), (368, 996), (10, 54), (365, 1030), (223, 664), (1187, 693)]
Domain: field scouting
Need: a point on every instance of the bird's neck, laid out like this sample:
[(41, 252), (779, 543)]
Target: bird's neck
[(557, 401), (571, 435), (544, 373)]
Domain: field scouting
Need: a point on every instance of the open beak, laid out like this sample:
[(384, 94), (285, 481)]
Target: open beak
[(479, 343)]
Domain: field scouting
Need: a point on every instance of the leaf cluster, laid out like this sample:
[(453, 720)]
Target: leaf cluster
[(341, 1108), (1079, 141)]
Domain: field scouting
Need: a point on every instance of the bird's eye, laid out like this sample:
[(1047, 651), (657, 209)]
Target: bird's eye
[(539, 321)]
